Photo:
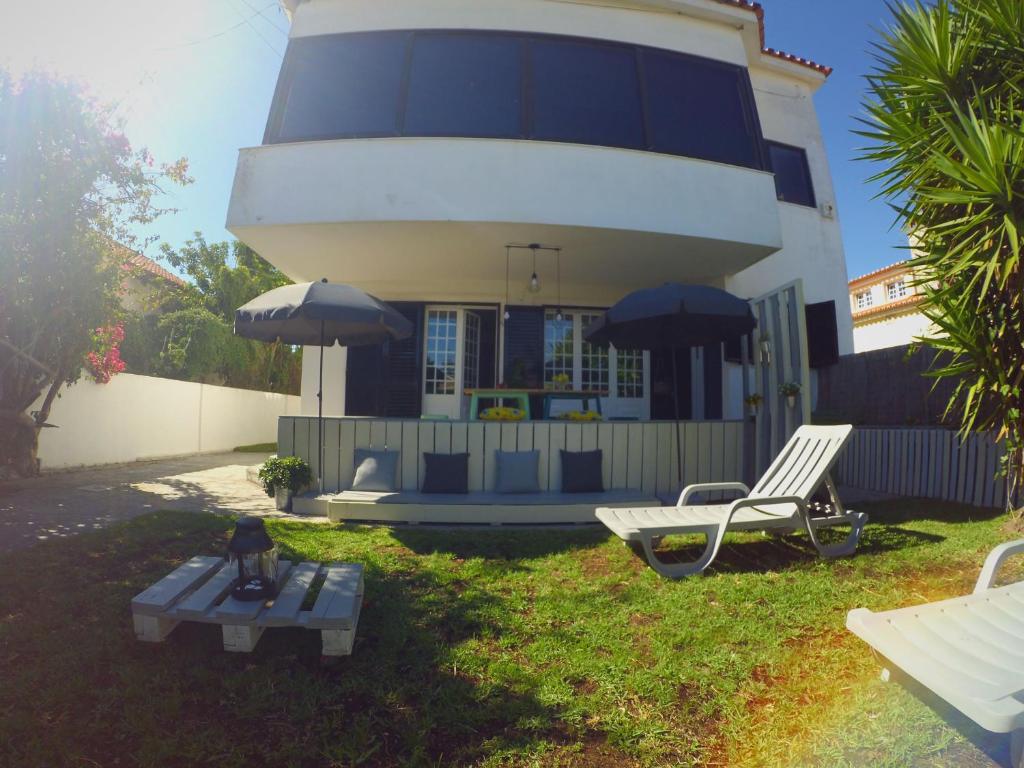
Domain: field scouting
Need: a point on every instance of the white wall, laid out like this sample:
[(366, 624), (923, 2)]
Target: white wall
[(812, 241), (142, 417), (335, 371), (891, 332)]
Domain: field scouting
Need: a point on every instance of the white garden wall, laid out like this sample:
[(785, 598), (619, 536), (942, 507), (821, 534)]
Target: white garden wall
[(142, 417)]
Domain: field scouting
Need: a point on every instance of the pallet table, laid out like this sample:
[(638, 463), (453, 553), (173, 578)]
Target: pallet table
[(199, 591)]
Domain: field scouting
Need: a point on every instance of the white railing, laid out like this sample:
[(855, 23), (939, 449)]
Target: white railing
[(639, 455)]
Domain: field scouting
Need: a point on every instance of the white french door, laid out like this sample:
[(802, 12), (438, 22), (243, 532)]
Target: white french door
[(623, 373), (451, 355)]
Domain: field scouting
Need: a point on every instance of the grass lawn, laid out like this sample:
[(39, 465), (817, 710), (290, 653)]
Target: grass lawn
[(489, 648)]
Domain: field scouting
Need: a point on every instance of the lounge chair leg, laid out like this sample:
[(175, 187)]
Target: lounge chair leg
[(856, 520), (714, 535)]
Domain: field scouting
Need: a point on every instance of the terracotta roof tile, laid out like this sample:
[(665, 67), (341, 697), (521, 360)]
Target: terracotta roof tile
[(881, 270), (147, 264), (907, 301), (758, 10)]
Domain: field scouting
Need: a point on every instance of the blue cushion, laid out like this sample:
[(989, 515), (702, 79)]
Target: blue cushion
[(446, 473), (375, 470), (581, 472), (517, 471)]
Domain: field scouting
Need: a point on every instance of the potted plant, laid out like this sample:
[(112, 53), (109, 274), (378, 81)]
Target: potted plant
[(790, 390), (561, 381), (753, 400), (283, 477)]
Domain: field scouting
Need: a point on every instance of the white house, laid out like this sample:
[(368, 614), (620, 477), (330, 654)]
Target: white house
[(886, 308), (417, 148)]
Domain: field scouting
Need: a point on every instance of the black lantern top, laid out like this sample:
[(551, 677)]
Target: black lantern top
[(250, 537)]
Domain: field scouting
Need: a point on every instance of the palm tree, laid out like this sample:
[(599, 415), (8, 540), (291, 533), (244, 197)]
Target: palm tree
[(946, 121)]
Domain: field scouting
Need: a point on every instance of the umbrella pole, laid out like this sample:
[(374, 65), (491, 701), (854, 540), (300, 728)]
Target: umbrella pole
[(320, 418), (675, 400)]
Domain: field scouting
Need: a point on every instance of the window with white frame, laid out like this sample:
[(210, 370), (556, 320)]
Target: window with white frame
[(864, 300), (896, 290), (442, 327), (620, 372)]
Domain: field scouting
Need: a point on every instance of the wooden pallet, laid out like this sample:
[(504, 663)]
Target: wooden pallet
[(199, 591)]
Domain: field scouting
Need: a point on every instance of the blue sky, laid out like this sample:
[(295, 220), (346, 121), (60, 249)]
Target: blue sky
[(195, 78)]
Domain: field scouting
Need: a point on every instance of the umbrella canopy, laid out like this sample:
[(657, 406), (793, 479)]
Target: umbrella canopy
[(320, 313), (672, 316)]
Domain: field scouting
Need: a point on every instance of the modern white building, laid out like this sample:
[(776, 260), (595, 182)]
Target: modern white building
[(417, 148)]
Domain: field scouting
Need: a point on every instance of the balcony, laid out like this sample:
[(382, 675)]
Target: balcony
[(425, 216)]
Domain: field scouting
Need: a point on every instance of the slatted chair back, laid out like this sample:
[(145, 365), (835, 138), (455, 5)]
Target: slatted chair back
[(803, 465)]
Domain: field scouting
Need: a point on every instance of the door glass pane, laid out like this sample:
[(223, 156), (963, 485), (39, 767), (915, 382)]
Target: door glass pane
[(697, 109), (593, 361), (558, 350), (343, 85), (464, 85), (441, 358), (471, 354), (629, 373), (585, 93)]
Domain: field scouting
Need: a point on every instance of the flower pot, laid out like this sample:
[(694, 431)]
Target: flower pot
[(283, 499), (791, 400)]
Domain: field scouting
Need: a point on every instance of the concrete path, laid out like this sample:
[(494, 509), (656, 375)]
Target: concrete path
[(64, 503)]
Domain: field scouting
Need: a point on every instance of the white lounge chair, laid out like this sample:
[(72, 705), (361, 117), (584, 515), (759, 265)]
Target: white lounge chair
[(779, 501), (968, 651)]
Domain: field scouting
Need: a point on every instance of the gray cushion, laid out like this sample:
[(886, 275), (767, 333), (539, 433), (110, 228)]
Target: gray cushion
[(517, 471), (375, 470)]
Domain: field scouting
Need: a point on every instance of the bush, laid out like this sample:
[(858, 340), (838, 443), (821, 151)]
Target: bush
[(289, 472)]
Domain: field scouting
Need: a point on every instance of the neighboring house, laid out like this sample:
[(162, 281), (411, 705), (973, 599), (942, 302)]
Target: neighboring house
[(886, 308), (411, 142), (143, 281)]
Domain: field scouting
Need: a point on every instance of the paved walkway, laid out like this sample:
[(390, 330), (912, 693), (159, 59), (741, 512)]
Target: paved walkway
[(62, 504)]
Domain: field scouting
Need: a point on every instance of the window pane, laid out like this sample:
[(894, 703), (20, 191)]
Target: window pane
[(343, 85), (697, 109), (464, 85), (792, 175), (585, 93), (593, 361), (629, 372), (558, 351)]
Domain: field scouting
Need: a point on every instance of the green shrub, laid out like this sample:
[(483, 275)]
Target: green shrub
[(289, 472)]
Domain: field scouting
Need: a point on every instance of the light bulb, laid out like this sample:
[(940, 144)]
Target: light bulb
[(534, 283), (558, 316), (507, 314)]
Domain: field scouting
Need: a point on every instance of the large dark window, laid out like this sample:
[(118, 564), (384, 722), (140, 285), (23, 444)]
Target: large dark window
[(342, 85), (699, 109), (792, 174), (586, 93), (515, 85), (464, 85)]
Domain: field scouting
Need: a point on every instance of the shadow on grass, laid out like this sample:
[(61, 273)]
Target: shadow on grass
[(896, 511), (747, 554), (402, 698), (499, 544)]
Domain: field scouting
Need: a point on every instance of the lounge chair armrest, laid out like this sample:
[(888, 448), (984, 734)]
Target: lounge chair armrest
[(764, 501), (689, 490), (993, 562)]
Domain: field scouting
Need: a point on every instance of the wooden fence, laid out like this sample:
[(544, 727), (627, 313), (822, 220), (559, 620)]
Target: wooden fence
[(637, 455), (931, 463)]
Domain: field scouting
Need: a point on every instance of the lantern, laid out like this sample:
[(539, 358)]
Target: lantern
[(256, 557)]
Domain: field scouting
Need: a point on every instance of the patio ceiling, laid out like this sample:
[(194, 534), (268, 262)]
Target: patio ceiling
[(450, 260)]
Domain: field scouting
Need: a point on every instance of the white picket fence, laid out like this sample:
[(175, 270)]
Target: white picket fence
[(931, 463)]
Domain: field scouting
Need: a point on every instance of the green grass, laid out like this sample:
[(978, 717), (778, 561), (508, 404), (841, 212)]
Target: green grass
[(256, 448), (489, 648)]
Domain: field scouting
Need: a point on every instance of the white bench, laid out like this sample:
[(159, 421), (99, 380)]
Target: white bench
[(480, 507), (199, 591)]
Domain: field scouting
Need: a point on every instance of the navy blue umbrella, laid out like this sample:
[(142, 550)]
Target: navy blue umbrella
[(673, 316), (320, 313)]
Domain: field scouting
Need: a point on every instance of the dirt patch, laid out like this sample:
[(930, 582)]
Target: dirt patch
[(585, 687), (587, 750)]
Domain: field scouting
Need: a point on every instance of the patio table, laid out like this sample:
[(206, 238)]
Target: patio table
[(199, 591)]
